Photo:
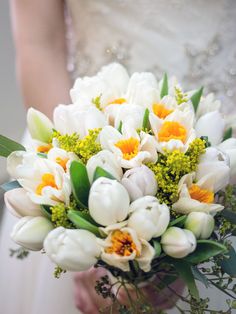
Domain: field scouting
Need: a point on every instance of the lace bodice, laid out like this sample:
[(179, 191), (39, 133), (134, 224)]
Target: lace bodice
[(192, 39)]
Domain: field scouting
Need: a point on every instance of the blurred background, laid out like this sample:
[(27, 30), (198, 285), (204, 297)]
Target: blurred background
[(12, 115)]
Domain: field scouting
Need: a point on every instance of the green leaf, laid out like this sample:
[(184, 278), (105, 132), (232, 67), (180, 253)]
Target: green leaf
[(46, 209), (10, 185), (178, 221), (164, 87), (196, 97), (8, 146), (120, 127), (100, 172), (185, 272), (205, 250), (157, 248), (80, 183), (79, 220), (229, 215), (228, 134), (145, 119), (42, 155), (229, 264), (200, 276)]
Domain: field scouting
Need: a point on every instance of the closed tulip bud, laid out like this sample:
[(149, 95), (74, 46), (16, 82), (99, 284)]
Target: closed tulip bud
[(73, 250), (201, 224), (40, 127), (107, 161), (139, 181), (30, 232), (108, 202), (20, 205), (149, 218), (177, 242)]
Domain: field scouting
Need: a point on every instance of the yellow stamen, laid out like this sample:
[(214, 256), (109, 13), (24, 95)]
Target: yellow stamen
[(160, 110), (122, 244), (118, 101), (172, 130), (44, 148), (129, 147), (48, 179), (201, 195), (62, 162)]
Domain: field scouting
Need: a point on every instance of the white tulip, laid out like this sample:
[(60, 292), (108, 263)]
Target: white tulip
[(211, 125), (130, 148), (175, 132), (61, 157), (139, 181), (178, 243), (108, 201), (201, 224), (197, 196), (123, 245), (214, 162), (73, 250), (131, 115), (142, 89), (109, 84), (30, 232), (149, 218), (229, 147), (21, 164), (45, 180), (107, 161), (19, 204), (40, 127), (208, 104), (78, 119)]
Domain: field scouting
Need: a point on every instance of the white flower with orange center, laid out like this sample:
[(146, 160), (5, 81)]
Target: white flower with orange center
[(123, 245), (108, 86), (130, 148), (45, 181), (165, 106), (61, 157), (197, 196), (175, 132)]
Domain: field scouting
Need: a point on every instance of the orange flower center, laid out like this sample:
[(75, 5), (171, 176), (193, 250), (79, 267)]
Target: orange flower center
[(118, 101), (172, 130), (160, 111), (48, 179), (129, 147), (62, 162), (44, 148), (122, 244), (201, 195)]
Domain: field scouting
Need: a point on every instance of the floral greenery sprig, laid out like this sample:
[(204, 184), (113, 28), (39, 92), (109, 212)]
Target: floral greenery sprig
[(172, 166), (84, 148), (20, 253)]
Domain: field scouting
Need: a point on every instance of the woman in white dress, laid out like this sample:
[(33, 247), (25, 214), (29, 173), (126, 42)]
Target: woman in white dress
[(193, 39)]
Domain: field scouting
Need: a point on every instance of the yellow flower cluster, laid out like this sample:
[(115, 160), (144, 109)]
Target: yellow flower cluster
[(172, 166), (180, 96), (59, 216), (84, 148)]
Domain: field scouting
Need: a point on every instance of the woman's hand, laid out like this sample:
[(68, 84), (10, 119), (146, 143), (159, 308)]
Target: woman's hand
[(89, 302)]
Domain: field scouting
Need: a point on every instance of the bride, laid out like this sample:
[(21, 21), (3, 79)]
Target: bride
[(195, 40)]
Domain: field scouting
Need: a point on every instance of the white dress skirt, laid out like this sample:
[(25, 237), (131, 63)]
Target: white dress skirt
[(194, 40), (28, 286)]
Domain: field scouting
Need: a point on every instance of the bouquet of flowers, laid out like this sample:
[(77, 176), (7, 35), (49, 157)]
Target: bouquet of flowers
[(136, 177)]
